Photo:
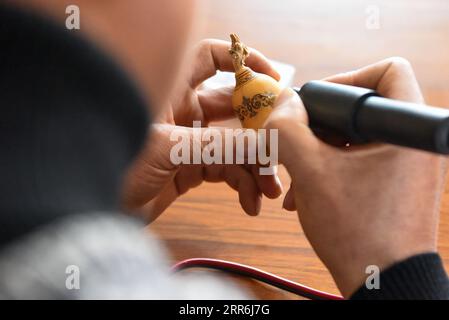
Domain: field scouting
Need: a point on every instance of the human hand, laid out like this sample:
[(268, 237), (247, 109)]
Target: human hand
[(363, 205), (154, 182)]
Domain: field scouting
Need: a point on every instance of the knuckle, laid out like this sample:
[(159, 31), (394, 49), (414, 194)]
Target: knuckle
[(204, 44), (279, 120), (400, 62)]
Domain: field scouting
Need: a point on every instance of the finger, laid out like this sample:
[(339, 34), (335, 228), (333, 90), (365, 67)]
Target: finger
[(259, 63), (212, 55), (288, 105), (270, 185), (239, 179), (211, 145), (250, 197), (289, 200), (216, 104), (366, 77), (152, 168), (189, 177), (393, 78), (235, 176), (153, 209)]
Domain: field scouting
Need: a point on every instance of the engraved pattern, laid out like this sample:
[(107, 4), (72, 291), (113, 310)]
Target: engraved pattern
[(243, 78), (250, 106)]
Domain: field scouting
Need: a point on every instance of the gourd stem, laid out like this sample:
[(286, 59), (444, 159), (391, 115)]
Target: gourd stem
[(239, 53)]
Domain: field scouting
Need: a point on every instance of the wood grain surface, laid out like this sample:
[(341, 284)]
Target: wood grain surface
[(320, 38)]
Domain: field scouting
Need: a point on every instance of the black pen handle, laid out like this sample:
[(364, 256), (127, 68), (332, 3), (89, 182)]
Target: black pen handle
[(362, 115)]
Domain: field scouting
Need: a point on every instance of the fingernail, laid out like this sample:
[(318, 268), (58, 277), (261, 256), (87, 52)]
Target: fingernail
[(285, 207), (258, 204), (279, 184), (278, 75)]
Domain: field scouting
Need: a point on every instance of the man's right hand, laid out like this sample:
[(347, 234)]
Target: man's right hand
[(360, 205)]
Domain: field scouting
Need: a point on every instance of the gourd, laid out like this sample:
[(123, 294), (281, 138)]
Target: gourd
[(254, 93)]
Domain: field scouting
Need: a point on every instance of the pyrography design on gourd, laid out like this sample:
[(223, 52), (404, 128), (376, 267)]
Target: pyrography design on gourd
[(250, 106)]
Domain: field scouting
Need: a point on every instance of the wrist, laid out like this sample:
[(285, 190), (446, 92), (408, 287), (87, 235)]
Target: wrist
[(355, 271)]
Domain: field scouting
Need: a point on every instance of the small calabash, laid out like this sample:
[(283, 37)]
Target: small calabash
[(254, 93)]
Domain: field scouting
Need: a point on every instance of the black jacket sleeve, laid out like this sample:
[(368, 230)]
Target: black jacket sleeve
[(416, 278)]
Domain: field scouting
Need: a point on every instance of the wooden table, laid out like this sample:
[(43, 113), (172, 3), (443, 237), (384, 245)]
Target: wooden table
[(319, 37)]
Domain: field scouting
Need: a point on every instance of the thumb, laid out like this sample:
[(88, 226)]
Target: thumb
[(288, 106), (289, 118)]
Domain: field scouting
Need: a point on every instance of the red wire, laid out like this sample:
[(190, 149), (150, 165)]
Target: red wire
[(257, 274)]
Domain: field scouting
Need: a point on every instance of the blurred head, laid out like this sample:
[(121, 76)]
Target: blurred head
[(148, 37)]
